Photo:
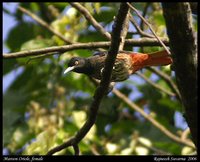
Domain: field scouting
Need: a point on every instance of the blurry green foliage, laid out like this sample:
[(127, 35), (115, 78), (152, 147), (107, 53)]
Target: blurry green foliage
[(43, 108)]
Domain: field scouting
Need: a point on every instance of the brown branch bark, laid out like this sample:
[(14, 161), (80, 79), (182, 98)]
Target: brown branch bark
[(44, 24), (194, 7), (168, 80), (91, 19), (152, 120), (140, 31), (89, 45), (104, 84), (184, 47), (124, 31), (149, 25), (157, 86)]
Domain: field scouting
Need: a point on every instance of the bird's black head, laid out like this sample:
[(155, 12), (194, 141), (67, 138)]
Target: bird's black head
[(79, 65)]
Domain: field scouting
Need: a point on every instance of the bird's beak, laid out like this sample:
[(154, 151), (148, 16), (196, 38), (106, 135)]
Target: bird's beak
[(69, 69)]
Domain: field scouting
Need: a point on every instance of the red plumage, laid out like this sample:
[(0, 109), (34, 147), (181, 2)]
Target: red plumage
[(140, 60)]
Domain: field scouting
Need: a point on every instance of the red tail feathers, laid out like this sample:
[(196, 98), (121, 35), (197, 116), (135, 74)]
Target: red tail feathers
[(159, 58)]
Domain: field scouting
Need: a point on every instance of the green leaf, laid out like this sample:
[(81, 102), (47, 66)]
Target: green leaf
[(105, 16), (19, 34), (37, 44), (9, 65), (13, 113)]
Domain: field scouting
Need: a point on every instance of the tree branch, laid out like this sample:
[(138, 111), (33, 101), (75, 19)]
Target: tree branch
[(76, 149), (91, 19), (44, 24), (140, 31), (168, 80), (184, 47), (124, 31), (147, 5), (152, 120), (149, 118), (156, 85), (149, 25), (104, 84), (89, 45), (194, 7)]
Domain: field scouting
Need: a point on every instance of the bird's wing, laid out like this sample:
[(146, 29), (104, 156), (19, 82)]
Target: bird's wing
[(100, 53)]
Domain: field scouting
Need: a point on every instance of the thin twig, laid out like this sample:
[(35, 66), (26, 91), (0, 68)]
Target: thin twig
[(152, 120), (149, 25), (144, 14), (158, 151), (156, 85), (76, 149), (169, 81), (91, 19), (124, 31), (38, 57), (142, 33), (61, 147), (44, 24), (141, 25), (104, 84), (94, 150), (89, 45), (146, 116), (185, 133)]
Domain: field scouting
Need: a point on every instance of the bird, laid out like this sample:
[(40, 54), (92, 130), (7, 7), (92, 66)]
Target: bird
[(126, 64)]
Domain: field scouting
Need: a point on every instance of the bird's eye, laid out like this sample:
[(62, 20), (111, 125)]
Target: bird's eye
[(76, 63)]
